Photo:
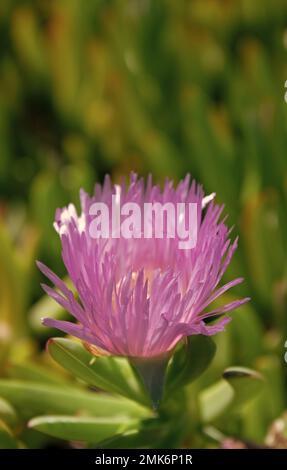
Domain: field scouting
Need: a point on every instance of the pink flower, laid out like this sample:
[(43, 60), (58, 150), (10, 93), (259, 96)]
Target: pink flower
[(139, 297)]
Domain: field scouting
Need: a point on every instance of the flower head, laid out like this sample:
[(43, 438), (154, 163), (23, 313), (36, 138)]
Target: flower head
[(138, 297)]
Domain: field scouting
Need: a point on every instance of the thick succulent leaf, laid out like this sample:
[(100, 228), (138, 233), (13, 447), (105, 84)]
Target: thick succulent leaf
[(82, 428), (246, 383), (108, 373), (215, 400), (239, 386), (190, 361), (35, 373), (31, 399), (7, 441)]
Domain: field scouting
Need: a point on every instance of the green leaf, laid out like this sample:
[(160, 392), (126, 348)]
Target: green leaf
[(190, 361), (31, 399), (246, 383), (81, 428), (7, 441), (35, 373), (108, 373), (215, 400), (239, 386)]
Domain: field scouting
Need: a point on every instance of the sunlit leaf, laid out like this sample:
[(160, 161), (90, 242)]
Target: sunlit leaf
[(82, 428), (108, 373), (239, 386), (35, 373), (31, 399), (246, 383), (215, 400)]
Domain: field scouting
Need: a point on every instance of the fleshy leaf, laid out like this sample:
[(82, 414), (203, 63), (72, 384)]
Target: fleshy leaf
[(32, 372), (190, 361), (246, 383), (31, 399), (108, 373), (215, 400), (239, 386), (82, 428)]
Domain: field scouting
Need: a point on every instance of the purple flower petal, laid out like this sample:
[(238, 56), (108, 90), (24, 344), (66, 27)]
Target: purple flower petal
[(140, 296)]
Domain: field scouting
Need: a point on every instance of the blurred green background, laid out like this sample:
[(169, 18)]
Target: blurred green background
[(162, 86)]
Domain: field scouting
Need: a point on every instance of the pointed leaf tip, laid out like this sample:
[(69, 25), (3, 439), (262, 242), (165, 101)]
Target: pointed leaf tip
[(246, 383)]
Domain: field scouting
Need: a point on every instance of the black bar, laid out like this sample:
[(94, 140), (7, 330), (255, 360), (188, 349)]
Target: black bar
[(95, 458)]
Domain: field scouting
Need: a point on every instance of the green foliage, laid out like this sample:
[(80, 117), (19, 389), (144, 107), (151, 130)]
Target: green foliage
[(238, 387), (189, 362), (82, 429), (107, 373), (32, 398)]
